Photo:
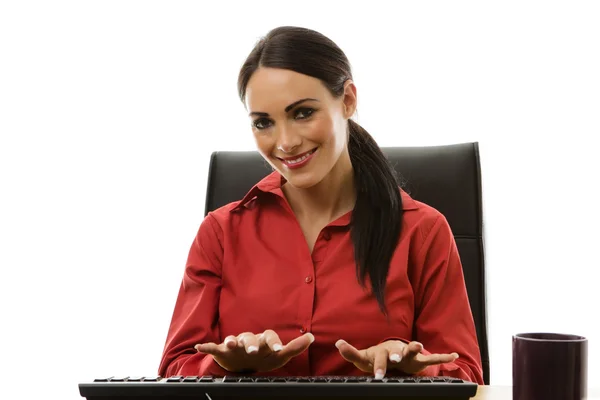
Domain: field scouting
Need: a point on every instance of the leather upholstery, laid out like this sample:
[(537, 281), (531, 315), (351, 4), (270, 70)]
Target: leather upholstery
[(446, 177)]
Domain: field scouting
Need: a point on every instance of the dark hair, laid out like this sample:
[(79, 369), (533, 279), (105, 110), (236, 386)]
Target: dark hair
[(377, 215)]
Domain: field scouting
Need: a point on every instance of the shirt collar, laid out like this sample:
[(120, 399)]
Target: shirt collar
[(273, 182), (269, 184)]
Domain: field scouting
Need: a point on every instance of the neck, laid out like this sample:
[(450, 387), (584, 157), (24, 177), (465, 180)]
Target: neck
[(328, 200)]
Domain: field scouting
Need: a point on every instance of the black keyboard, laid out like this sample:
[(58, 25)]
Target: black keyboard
[(209, 388)]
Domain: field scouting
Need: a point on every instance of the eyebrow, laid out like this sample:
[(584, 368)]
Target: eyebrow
[(288, 108)]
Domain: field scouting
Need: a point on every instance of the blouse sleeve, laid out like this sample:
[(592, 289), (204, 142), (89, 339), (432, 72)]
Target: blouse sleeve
[(443, 319), (195, 315)]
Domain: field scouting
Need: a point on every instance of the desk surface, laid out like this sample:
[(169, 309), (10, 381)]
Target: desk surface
[(505, 393)]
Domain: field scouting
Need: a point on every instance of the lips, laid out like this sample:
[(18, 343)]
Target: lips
[(298, 160)]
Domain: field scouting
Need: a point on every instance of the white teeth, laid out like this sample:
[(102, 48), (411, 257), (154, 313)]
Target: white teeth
[(297, 160)]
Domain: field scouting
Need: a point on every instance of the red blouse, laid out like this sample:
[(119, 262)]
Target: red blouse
[(250, 269)]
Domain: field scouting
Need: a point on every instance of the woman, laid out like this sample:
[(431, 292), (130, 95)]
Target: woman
[(326, 267)]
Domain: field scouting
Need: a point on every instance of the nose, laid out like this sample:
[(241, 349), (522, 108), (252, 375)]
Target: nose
[(288, 141)]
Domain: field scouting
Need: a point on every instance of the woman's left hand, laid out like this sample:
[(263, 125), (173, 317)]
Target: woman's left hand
[(391, 354)]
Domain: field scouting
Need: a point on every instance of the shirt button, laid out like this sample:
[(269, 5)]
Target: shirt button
[(326, 235), (308, 279), (303, 330)]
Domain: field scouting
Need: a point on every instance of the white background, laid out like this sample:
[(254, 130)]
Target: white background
[(109, 111)]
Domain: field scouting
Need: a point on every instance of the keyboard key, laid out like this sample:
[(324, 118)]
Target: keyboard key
[(246, 379), (134, 379), (231, 379), (118, 378), (262, 379), (176, 378), (190, 379), (151, 378), (101, 380)]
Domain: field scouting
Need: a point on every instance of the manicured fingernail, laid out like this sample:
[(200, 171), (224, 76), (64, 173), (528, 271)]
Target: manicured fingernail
[(312, 337), (277, 347), (379, 375), (395, 358), (228, 340), (252, 349)]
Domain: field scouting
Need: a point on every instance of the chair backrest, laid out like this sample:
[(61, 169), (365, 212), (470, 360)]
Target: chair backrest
[(447, 178)]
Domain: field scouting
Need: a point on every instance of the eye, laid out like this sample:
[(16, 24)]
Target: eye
[(305, 112), (261, 123)]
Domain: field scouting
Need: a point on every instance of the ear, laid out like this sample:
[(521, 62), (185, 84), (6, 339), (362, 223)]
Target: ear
[(349, 99)]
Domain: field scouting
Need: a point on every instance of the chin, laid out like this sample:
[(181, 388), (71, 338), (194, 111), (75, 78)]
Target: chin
[(300, 181)]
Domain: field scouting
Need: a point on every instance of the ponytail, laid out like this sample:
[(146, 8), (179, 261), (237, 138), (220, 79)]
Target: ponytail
[(377, 213), (377, 216)]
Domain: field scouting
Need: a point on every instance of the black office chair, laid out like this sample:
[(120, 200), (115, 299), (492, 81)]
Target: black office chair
[(447, 178)]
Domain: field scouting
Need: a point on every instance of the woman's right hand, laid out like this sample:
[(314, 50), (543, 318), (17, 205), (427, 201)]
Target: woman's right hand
[(260, 353)]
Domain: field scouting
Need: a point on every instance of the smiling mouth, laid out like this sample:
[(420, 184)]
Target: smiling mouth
[(299, 160)]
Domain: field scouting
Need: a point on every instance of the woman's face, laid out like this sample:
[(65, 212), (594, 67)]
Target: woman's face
[(299, 127)]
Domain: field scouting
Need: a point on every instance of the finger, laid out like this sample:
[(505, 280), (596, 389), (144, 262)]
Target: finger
[(433, 359), (249, 341), (272, 340), (380, 362), (411, 350), (208, 348), (297, 345), (351, 353), (230, 342), (396, 352), (395, 356)]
